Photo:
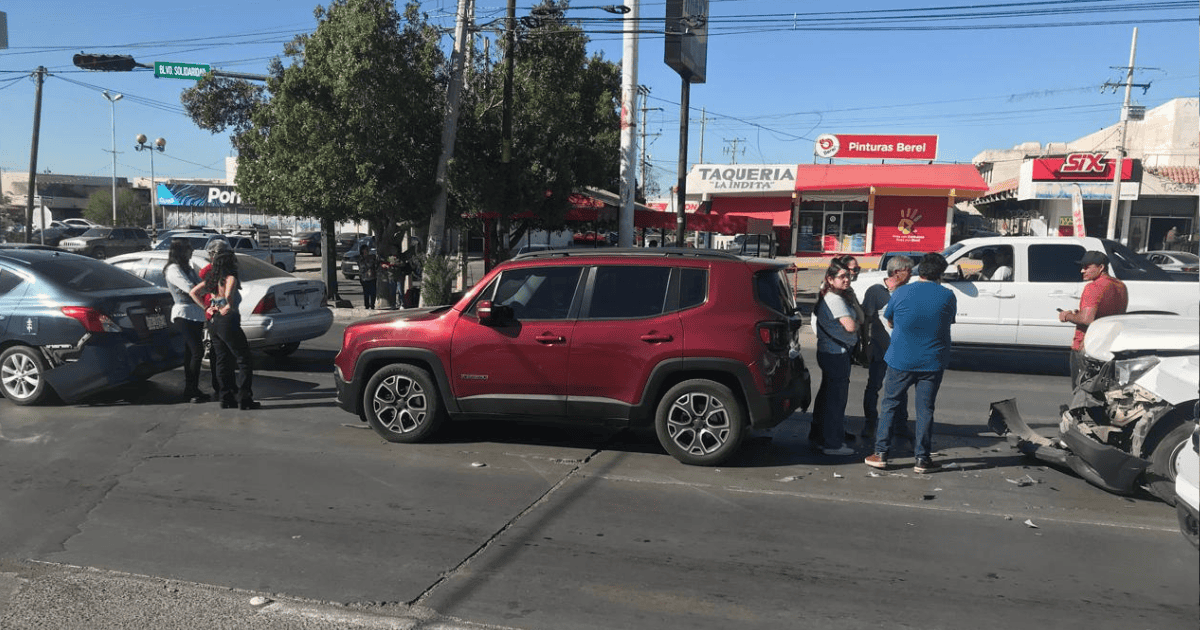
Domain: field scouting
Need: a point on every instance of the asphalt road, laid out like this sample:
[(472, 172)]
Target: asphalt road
[(137, 511)]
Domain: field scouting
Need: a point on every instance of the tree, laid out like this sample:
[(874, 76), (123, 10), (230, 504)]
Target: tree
[(349, 129), (566, 125), (130, 212)]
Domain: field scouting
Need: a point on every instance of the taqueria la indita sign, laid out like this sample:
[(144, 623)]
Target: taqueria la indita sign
[(744, 178)]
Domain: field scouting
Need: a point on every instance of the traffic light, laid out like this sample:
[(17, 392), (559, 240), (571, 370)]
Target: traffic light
[(106, 63)]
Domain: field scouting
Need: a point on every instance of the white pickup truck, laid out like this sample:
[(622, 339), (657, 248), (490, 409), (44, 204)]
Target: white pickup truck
[(285, 259), (1022, 310)]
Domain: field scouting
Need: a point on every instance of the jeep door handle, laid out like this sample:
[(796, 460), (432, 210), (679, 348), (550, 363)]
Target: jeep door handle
[(655, 337), (548, 337)]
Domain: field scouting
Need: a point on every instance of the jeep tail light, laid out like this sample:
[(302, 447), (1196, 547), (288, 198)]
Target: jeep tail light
[(92, 320), (774, 335), (266, 305)]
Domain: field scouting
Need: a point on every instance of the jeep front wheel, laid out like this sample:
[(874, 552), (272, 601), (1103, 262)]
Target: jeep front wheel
[(700, 422), (402, 404)]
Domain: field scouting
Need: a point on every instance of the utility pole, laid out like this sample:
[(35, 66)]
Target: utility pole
[(437, 223), (703, 126), (40, 73), (629, 94), (645, 182), (1114, 205), (733, 150)]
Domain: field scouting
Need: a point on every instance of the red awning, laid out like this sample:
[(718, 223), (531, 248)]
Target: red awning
[(962, 180)]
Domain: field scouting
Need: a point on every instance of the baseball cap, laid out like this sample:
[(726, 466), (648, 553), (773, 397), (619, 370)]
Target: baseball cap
[(216, 245), (1092, 258)]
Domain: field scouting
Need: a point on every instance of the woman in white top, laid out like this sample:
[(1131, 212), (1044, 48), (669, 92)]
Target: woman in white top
[(187, 315), (838, 316)]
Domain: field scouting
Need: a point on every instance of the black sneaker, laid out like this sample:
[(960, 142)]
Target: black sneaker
[(926, 465)]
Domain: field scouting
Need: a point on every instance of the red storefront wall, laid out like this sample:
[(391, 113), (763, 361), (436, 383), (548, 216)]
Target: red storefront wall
[(910, 224)]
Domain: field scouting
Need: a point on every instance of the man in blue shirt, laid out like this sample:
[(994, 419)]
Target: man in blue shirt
[(920, 314)]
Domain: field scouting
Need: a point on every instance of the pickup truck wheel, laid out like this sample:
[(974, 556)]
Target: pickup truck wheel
[(402, 404), (22, 375), (700, 422), (1160, 474)]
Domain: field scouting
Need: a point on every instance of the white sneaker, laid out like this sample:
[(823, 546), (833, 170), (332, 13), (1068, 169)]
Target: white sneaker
[(844, 450)]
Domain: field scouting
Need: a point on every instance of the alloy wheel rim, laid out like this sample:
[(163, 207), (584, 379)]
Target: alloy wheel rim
[(19, 375), (400, 404), (698, 423)]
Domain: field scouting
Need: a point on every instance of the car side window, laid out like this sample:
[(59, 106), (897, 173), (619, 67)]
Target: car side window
[(538, 292), (135, 267), (693, 287), (8, 281), (627, 291), (1054, 263)]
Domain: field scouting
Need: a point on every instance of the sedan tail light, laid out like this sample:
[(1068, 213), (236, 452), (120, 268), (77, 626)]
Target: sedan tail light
[(92, 320), (266, 305)]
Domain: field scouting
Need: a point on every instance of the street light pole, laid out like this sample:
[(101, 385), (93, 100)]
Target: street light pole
[(159, 145), (112, 99)]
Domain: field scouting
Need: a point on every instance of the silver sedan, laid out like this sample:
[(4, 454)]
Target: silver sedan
[(278, 310)]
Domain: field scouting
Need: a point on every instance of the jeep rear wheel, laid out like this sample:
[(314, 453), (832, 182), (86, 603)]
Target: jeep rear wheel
[(700, 422), (402, 405)]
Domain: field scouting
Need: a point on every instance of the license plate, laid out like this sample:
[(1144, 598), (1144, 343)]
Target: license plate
[(156, 322)]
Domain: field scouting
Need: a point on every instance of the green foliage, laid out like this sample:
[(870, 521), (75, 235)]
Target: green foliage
[(437, 276), (566, 125), (130, 211), (219, 103)]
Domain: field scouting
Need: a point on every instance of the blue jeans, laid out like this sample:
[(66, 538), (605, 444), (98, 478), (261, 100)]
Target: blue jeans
[(895, 391), (875, 375), (832, 396)]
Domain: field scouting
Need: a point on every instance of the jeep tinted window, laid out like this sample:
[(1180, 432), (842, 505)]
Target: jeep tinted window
[(1054, 263), (772, 290), (538, 292), (628, 291), (693, 287)]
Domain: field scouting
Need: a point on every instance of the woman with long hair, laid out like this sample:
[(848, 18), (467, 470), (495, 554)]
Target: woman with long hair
[(187, 315), (837, 316), (228, 341)]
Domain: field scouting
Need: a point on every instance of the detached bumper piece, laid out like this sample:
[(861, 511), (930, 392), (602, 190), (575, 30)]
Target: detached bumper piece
[(1101, 465)]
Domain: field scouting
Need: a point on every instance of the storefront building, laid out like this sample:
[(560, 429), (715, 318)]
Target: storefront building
[(827, 209), (1033, 188)]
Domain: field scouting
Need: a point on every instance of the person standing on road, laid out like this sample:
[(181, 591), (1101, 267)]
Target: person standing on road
[(1103, 295), (228, 340), (214, 247), (875, 299), (838, 317), (920, 314), (368, 270), (187, 315)]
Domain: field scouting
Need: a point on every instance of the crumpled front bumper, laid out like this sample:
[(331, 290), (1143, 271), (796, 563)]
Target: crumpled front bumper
[(1101, 465)]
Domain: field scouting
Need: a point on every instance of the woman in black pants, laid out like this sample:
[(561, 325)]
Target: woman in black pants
[(228, 340), (187, 315)]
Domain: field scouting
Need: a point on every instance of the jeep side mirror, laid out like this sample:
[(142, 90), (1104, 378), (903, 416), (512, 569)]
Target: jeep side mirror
[(952, 274), (493, 314)]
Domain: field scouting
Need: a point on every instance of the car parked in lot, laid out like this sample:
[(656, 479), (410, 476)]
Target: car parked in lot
[(1021, 310), (701, 345), (278, 309), (72, 326), (349, 262), (761, 245), (1175, 261), (307, 242), (102, 242), (347, 241), (54, 235), (1132, 413)]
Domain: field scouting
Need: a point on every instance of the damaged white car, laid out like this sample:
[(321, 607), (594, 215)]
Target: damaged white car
[(1131, 414)]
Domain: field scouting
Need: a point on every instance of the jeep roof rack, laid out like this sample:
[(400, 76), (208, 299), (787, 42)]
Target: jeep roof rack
[(615, 252)]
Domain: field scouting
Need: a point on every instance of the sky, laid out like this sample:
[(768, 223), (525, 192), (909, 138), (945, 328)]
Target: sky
[(979, 75)]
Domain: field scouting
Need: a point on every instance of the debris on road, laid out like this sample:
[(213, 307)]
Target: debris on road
[(1029, 523), (1023, 481)]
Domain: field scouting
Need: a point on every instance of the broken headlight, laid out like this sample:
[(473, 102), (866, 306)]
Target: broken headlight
[(1130, 370)]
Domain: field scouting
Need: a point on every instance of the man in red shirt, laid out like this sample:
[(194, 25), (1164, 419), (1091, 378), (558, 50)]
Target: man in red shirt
[(1104, 295)]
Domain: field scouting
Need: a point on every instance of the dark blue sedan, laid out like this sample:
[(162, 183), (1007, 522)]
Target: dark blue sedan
[(72, 326)]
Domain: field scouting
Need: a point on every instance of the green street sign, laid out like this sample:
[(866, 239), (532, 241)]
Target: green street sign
[(172, 70)]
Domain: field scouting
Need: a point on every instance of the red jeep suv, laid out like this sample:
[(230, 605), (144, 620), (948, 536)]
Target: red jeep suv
[(701, 343)]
